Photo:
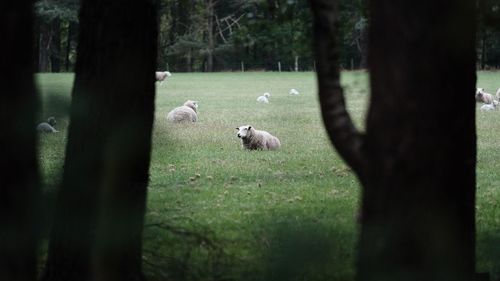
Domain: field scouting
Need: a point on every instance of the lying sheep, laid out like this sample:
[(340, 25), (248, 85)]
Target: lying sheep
[(293, 92), (162, 75), (47, 127), (488, 107), (185, 113), (482, 96), (264, 98), (252, 139)]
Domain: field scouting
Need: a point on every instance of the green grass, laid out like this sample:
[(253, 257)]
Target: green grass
[(226, 213)]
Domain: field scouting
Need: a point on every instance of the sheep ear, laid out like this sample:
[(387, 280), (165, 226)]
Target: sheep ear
[(249, 127), (237, 128)]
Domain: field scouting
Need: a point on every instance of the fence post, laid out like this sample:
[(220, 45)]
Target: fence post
[(296, 63), (279, 66), (242, 66)]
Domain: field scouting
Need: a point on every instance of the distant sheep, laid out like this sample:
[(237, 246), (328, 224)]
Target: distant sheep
[(185, 113), (47, 127), (482, 96), (252, 139), (264, 98), (162, 75), (293, 92)]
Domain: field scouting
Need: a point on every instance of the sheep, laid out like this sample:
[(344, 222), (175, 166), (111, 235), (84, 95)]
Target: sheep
[(482, 96), (185, 113), (162, 75), (488, 107), (47, 127), (253, 139), (498, 94), (264, 98), (293, 92)]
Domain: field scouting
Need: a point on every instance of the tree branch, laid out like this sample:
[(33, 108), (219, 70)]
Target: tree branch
[(345, 137)]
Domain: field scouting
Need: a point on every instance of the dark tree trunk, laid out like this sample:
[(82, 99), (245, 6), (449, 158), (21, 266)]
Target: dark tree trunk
[(101, 204), (36, 45), (19, 173), (45, 38), (55, 46), (418, 175), (70, 36)]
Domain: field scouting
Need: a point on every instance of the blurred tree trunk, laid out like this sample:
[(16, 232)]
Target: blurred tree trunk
[(97, 232), (55, 45), (44, 47), (19, 173), (210, 6), (418, 175), (70, 37)]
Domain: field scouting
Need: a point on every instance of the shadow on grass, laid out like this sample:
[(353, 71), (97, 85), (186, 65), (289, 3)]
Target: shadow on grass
[(291, 250), (489, 250)]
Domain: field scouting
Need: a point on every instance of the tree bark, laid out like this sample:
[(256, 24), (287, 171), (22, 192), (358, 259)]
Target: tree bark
[(19, 173), (97, 233), (418, 176)]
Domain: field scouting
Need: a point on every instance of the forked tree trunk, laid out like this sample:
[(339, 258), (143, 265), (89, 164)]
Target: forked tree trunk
[(100, 208), (417, 170), (19, 175)]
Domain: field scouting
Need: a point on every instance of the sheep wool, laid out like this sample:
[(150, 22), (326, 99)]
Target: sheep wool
[(488, 107), (498, 94), (47, 127), (185, 113), (253, 139), (264, 98), (162, 75), (482, 96)]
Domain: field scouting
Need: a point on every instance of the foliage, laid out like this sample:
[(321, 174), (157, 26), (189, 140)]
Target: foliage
[(49, 10), (261, 33)]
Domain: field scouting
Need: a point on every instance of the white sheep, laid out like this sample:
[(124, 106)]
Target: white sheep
[(482, 96), (162, 75), (498, 94), (47, 127), (252, 139), (293, 92), (264, 98), (185, 113), (488, 107)]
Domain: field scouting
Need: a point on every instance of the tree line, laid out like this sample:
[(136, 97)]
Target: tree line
[(239, 35)]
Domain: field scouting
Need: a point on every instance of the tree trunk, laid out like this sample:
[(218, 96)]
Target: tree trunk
[(210, 35), (19, 173), (44, 47), (101, 204), (55, 45), (418, 176), (69, 40)]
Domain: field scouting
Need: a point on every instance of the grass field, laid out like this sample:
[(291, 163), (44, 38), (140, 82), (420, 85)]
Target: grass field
[(218, 212)]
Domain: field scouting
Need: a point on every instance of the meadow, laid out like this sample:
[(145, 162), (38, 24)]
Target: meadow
[(216, 211)]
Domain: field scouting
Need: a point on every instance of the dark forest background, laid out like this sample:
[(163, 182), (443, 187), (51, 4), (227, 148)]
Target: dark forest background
[(236, 35)]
